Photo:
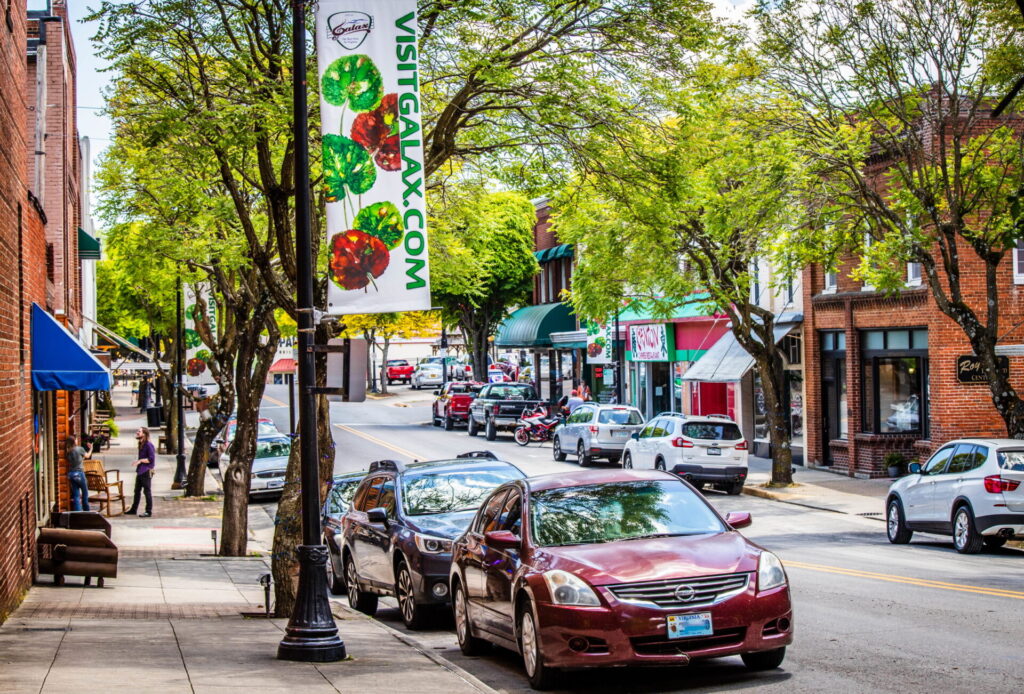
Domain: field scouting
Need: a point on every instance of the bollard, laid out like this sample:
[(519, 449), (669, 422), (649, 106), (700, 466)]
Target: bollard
[(213, 536), (265, 582)]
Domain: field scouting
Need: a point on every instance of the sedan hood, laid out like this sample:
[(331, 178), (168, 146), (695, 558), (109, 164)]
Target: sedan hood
[(446, 525), (654, 559)]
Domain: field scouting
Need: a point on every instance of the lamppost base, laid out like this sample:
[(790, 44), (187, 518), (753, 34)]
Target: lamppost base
[(311, 635)]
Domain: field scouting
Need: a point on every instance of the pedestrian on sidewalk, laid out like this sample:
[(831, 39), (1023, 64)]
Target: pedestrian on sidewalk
[(76, 475), (144, 467)]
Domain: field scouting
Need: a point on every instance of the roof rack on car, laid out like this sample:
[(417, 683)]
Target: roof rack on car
[(718, 416), (386, 465), (487, 455), (671, 414)]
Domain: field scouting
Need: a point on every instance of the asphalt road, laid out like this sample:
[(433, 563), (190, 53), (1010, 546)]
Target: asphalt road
[(869, 616)]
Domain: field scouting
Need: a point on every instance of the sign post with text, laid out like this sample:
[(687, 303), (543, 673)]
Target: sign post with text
[(373, 178)]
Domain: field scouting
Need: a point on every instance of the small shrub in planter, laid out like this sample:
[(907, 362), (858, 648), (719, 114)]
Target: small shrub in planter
[(896, 464)]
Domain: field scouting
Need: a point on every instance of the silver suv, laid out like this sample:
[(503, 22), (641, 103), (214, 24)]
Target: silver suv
[(971, 489), (702, 449), (596, 431)]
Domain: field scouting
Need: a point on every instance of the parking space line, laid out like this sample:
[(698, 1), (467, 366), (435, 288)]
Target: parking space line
[(921, 582)]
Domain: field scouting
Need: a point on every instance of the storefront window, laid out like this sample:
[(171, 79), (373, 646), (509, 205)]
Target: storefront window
[(760, 410), (844, 415), (795, 379), (899, 400), (895, 382)]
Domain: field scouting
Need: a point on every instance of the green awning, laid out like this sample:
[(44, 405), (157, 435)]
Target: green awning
[(696, 307), (88, 247), (549, 254), (531, 326)]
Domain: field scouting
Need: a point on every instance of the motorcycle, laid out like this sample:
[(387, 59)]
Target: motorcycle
[(536, 424)]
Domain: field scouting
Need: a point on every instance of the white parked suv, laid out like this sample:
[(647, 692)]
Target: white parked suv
[(596, 431), (971, 489), (702, 449)]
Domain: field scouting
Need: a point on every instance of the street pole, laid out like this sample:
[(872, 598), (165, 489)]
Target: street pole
[(179, 339), (444, 357), (311, 634), (291, 403), (619, 354)]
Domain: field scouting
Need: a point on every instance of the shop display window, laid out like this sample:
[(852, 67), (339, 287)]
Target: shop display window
[(894, 379)]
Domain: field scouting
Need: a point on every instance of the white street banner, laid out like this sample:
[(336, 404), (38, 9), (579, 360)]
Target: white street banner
[(373, 156), (197, 354), (599, 343)]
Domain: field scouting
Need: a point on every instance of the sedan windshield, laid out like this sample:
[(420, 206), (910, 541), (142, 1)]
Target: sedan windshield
[(450, 491), (273, 448), (619, 511)]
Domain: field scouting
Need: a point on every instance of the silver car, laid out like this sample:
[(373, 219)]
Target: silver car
[(269, 465), (596, 431), (426, 374)]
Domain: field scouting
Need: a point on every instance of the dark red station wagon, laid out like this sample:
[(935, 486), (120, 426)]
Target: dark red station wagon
[(615, 567)]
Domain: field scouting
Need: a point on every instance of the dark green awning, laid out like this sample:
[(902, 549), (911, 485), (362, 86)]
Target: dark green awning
[(88, 247), (531, 326), (549, 254)]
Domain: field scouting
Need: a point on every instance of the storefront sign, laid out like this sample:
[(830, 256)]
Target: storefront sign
[(649, 342), (599, 343), (968, 369), (373, 177), (197, 354)]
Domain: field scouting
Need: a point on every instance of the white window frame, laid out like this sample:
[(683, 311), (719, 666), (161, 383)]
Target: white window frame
[(831, 282), (867, 244), (914, 271), (1018, 262)]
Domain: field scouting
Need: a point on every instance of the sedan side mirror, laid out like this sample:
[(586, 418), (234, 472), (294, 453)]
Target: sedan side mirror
[(635, 436), (915, 468), (501, 539), (738, 519), (377, 515)]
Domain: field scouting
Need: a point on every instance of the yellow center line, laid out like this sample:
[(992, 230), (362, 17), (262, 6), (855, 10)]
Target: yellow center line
[(379, 442), (275, 401), (922, 582)]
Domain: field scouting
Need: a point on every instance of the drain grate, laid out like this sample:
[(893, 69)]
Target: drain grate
[(46, 628), (872, 515)]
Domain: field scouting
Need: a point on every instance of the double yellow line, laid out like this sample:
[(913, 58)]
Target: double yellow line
[(921, 582), (380, 442)]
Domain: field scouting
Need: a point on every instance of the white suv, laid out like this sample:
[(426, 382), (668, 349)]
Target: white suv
[(970, 489), (702, 449)]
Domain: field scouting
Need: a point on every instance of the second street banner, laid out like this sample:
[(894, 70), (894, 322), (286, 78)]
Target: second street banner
[(373, 178)]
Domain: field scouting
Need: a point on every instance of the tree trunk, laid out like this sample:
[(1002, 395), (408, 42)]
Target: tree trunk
[(384, 366), (288, 523), (206, 434), (769, 368)]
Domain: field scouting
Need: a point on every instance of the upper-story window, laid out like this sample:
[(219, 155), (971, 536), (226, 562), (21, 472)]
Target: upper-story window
[(755, 283), (913, 274), (868, 240), (1018, 262)]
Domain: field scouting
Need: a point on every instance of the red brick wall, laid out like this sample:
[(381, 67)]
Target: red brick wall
[(22, 280)]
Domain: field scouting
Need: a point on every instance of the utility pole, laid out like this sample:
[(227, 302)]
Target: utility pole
[(311, 634), (619, 364), (179, 341)]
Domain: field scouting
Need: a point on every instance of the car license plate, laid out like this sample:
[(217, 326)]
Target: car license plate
[(683, 626), (620, 434), (714, 451), (274, 484)]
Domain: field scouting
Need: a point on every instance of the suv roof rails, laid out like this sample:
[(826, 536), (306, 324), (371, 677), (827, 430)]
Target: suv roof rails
[(486, 455), (671, 414), (386, 465), (718, 416)]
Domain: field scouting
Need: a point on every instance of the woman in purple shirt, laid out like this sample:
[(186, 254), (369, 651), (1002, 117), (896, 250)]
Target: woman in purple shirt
[(144, 472)]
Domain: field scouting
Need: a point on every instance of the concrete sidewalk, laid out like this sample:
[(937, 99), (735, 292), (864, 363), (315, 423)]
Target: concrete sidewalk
[(820, 489)]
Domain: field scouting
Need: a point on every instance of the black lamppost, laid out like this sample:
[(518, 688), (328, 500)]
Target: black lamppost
[(311, 634), (444, 356), (619, 352), (179, 471)]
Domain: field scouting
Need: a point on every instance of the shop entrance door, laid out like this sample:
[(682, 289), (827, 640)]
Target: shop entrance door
[(661, 387)]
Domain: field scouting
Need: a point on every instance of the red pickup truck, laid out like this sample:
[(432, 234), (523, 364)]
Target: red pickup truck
[(399, 370), (452, 403)]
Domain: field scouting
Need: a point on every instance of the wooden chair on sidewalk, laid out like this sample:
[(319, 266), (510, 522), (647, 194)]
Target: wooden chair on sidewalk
[(103, 489)]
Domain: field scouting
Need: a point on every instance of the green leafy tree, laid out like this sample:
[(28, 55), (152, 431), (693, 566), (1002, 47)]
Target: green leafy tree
[(482, 265), (379, 329), (893, 101), (692, 204)]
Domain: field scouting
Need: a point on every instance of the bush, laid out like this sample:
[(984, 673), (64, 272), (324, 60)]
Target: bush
[(113, 428), (896, 460)]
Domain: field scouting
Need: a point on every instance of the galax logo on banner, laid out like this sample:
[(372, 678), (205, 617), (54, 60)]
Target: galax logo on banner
[(373, 156), (197, 355)]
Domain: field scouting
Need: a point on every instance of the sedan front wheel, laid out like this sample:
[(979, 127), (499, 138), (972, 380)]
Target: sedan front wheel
[(540, 675)]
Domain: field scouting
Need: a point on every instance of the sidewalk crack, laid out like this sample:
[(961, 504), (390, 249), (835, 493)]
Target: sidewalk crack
[(56, 652), (181, 655), (326, 679)]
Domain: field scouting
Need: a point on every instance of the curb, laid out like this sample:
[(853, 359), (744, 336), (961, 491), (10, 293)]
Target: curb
[(468, 677), (774, 496)]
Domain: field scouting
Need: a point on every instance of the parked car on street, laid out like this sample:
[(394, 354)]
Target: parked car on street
[(498, 406), (399, 371), (451, 406), (269, 465), (702, 449), (397, 537), (337, 504), (970, 488), (426, 374), (615, 567), (596, 431), (457, 370), (264, 427)]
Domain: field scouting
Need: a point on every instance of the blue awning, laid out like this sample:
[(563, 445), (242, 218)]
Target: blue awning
[(59, 361)]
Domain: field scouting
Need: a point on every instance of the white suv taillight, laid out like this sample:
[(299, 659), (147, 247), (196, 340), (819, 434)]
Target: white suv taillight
[(593, 429), (742, 445), (680, 442), (994, 484)]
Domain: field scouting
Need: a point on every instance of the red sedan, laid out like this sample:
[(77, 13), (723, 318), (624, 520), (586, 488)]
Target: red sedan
[(615, 567)]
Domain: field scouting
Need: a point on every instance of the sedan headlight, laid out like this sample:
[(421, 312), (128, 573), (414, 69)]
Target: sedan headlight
[(567, 589), (432, 545), (770, 573)]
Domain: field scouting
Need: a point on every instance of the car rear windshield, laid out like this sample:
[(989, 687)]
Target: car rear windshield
[(619, 417), (397, 362), (619, 511), (273, 448), (1012, 460), (452, 490), (713, 431), (462, 388), (513, 392)]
